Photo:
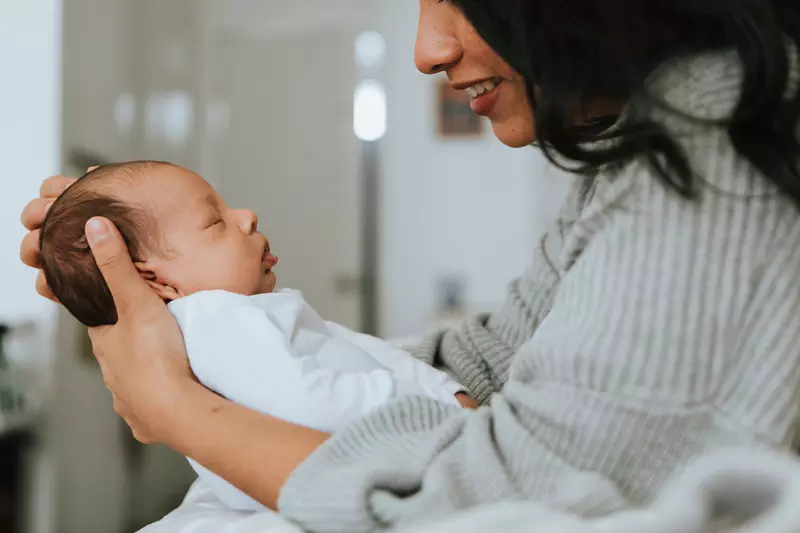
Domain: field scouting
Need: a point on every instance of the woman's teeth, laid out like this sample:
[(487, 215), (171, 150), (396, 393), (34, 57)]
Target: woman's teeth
[(481, 88)]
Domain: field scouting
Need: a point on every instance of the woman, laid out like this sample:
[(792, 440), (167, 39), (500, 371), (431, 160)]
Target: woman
[(658, 320)]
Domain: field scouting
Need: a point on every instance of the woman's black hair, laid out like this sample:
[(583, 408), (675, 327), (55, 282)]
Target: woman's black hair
[(579, 51)]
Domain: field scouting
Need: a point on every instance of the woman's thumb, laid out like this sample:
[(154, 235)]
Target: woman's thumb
[(115, 264)]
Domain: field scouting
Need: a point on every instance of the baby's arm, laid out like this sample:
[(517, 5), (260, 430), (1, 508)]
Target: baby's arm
[(404, 366)]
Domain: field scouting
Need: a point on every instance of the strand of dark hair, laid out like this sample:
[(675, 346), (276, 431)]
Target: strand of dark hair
[(581, 51)]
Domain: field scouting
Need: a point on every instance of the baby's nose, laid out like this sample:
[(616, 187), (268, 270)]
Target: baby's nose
[(249, 221)]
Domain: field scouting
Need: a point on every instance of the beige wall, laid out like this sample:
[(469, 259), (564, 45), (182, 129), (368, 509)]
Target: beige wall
[(30, 121)]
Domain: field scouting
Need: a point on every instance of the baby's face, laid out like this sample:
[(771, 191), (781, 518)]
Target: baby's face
[(206, 244)]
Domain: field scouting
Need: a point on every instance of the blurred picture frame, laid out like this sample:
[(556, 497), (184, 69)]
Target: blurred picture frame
[(455, 119)]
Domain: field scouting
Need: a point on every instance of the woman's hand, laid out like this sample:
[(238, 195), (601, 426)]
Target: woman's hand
[(32, 218), (145, 346), (142, 357)]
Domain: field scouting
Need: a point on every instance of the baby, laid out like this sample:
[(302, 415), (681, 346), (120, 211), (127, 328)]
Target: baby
[(267, 350)]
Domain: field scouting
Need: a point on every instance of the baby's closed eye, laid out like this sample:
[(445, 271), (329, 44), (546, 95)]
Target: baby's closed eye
[(215, 223)]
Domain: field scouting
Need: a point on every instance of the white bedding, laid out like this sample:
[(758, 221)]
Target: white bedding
[(738, 491), (202, 512)]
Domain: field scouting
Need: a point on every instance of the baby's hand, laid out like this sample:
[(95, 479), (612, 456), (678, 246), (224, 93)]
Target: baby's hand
[(466, 401)]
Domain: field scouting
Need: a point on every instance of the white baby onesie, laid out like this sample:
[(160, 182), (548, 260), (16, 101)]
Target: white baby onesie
[(274, 354)]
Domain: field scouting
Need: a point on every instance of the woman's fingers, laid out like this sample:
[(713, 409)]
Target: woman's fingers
[(33, 214), (43, 288), (32, 218), (142, 357), (29, 249), (54, 186), (129, 290)]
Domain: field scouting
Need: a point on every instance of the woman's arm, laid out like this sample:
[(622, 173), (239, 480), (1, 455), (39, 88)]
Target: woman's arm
[(254, 452)]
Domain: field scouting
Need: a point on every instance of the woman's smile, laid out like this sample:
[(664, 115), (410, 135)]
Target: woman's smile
[(483, 94)]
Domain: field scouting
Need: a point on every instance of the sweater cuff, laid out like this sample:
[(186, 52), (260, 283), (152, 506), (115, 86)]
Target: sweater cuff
[(426, 349), (388, 449)]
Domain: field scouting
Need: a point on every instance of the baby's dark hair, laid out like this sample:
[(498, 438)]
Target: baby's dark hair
[(66, 259)]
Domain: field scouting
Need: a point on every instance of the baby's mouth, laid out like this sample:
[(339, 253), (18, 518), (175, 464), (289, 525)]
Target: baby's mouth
[(269, 260)]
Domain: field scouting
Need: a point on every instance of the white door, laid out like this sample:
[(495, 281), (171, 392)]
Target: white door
[(289, 153)]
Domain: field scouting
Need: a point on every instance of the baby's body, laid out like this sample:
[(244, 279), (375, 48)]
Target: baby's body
[(274, 354), (267, 350)]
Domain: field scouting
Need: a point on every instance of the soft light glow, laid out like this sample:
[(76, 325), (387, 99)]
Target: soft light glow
[(125, 113), (370, 49), (169, 117), (369, 111)]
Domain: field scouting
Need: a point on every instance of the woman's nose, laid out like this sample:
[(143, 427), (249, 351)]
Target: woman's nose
[(248, 221), (436, 49)]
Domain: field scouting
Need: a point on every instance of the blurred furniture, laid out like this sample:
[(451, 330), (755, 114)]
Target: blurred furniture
[(17, 437)]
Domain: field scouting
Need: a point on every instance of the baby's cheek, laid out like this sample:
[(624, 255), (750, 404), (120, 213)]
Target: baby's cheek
[(249, 274), (215, 272)]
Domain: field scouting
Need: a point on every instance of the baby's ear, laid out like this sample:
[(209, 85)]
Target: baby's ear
[(164, 291)]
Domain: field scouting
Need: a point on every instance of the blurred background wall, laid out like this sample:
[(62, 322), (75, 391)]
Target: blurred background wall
[(468, 209), (30, 146), (30, 135), (259, 96)]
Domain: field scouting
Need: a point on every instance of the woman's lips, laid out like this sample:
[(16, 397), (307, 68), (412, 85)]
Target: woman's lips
[(482, 105)]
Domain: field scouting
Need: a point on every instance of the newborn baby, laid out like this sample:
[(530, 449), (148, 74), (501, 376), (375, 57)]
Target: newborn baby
[(267, 350)]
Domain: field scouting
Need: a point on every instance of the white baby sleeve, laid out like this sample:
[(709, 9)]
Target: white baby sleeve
[(412, 377)]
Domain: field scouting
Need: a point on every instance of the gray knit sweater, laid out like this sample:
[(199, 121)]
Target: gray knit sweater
[(648, 330)]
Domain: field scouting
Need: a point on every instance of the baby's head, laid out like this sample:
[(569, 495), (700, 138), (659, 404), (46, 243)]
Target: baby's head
[(180, 234)]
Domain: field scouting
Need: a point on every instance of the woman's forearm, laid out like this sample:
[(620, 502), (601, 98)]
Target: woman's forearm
[(255, 452)]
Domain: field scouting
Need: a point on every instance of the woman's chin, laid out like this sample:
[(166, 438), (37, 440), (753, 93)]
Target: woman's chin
[(514, 134)]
